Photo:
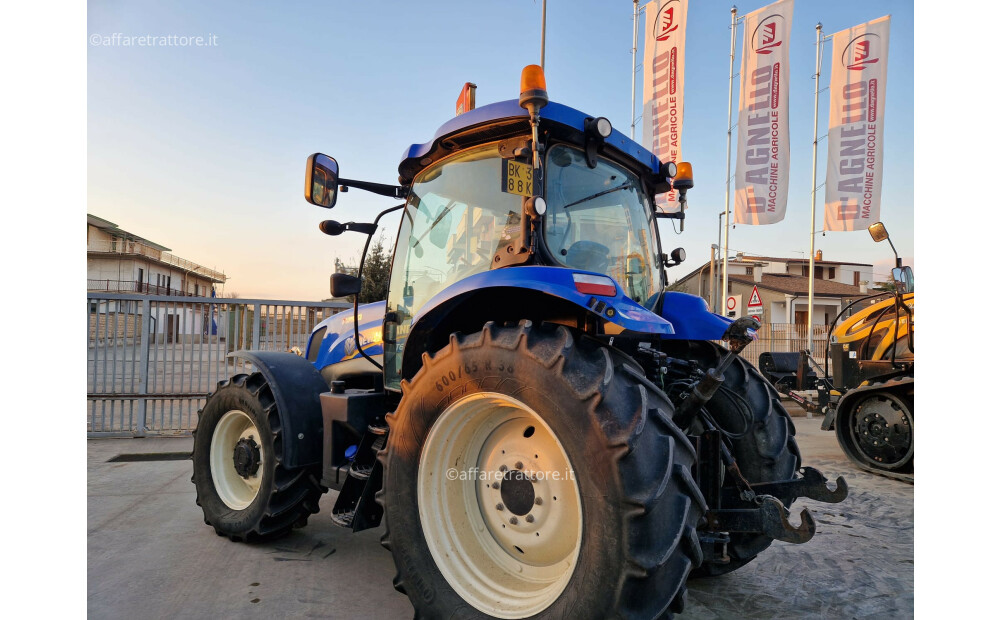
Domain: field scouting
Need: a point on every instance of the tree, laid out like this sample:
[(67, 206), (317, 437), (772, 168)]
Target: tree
[(375, 274)]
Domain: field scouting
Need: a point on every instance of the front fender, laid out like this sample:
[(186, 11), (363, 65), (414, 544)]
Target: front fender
[(296, 386), (557, 282), (691, 317)]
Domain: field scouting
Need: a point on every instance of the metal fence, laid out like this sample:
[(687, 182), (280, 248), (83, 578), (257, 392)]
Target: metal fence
[(787, 337), (153, 360)]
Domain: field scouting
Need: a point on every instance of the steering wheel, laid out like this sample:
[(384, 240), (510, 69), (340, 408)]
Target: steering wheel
[(588, 255)]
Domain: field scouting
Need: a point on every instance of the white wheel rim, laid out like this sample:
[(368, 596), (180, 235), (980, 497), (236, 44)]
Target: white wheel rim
[(234, 490), (509, 559)]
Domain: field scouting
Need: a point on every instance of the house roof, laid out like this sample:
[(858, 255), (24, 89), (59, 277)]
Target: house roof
[(112, 228), (772, 259), (799, 285), (747, 261)]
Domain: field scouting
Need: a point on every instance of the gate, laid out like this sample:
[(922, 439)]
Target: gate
[(152, 360)]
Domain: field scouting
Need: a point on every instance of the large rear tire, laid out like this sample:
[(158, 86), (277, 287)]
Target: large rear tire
[(766, 452), (617, 539), (243, 489)]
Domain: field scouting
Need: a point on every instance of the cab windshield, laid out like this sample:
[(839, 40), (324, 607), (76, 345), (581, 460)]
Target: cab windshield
[(599, 219), (457, 218)]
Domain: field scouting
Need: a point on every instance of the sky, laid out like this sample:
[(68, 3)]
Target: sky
[(203, 149)]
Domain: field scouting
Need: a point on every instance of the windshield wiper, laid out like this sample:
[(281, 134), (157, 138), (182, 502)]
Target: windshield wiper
[(597, 195)]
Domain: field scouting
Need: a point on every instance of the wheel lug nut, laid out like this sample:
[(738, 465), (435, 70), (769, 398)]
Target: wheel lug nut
[(499, 506), (530, 519), (503, 468), (513, 520), (538, 501), (496, 485), (519, 465)]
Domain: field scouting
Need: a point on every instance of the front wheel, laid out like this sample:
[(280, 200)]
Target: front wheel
[(532, 472), (242, 488)]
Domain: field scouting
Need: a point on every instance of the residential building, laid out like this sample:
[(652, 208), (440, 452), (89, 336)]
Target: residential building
[(783, 286), (122, 262)]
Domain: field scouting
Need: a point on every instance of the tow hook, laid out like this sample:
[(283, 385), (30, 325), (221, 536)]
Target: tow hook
[(811, 484), (770, 518)]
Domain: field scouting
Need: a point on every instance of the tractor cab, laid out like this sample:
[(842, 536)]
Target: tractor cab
[(525, 184)]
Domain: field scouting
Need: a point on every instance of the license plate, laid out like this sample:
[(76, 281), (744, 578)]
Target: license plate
[(517, 178)]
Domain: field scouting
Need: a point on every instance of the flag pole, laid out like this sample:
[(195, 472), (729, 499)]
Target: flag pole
[(635, 44), (542, 64), (729, 156), (812, 221)]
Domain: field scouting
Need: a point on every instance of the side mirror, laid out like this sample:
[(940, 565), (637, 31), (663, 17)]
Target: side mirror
[(344, 285), (322, 176), (903, 277), (878, 232)]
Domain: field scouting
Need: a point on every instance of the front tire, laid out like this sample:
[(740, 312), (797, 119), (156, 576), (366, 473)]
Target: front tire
[(617, 539), (243, 489)]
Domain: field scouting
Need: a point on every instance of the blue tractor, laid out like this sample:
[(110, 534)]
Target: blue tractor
[(544, 429)]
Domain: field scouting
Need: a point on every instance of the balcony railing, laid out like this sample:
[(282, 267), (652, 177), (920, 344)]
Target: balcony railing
[(131, 286), (121, 246)]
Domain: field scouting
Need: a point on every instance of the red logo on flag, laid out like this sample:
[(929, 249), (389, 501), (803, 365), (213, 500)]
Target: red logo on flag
[(665, 22), (766, 36), (859, 52)]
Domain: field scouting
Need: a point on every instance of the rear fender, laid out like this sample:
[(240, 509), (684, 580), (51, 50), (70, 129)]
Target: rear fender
[(514, 293), (296, 386), (556, 282)]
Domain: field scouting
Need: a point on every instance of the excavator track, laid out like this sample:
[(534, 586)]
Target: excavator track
[(875, 423)]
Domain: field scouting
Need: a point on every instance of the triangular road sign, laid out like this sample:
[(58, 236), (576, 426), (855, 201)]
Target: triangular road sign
[(755, 299)]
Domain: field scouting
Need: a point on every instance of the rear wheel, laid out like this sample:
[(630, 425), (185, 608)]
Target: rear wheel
[(530, 472), (242, 487)]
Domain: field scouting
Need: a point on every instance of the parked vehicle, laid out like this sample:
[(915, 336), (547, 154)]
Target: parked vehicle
[(543, 428), (868, 397)]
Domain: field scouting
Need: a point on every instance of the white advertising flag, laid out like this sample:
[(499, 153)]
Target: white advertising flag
[(857, 108), (762, 159), (663, 86)]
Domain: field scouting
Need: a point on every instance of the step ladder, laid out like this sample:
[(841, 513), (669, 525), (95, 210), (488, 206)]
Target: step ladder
[(356, 507)]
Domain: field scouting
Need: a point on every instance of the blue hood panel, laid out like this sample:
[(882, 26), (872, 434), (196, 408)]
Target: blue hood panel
[(338, 343)]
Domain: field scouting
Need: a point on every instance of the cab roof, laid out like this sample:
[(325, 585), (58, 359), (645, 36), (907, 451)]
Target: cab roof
[(414, 158)]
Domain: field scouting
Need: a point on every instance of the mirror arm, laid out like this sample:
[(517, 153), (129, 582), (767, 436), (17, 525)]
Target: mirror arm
[(382, 189), (670, 216), (357, 298)]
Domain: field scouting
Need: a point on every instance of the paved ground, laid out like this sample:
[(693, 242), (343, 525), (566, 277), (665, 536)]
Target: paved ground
[(151, 556)]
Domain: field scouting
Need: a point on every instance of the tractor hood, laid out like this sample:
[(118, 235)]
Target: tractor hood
[(506, 119)]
